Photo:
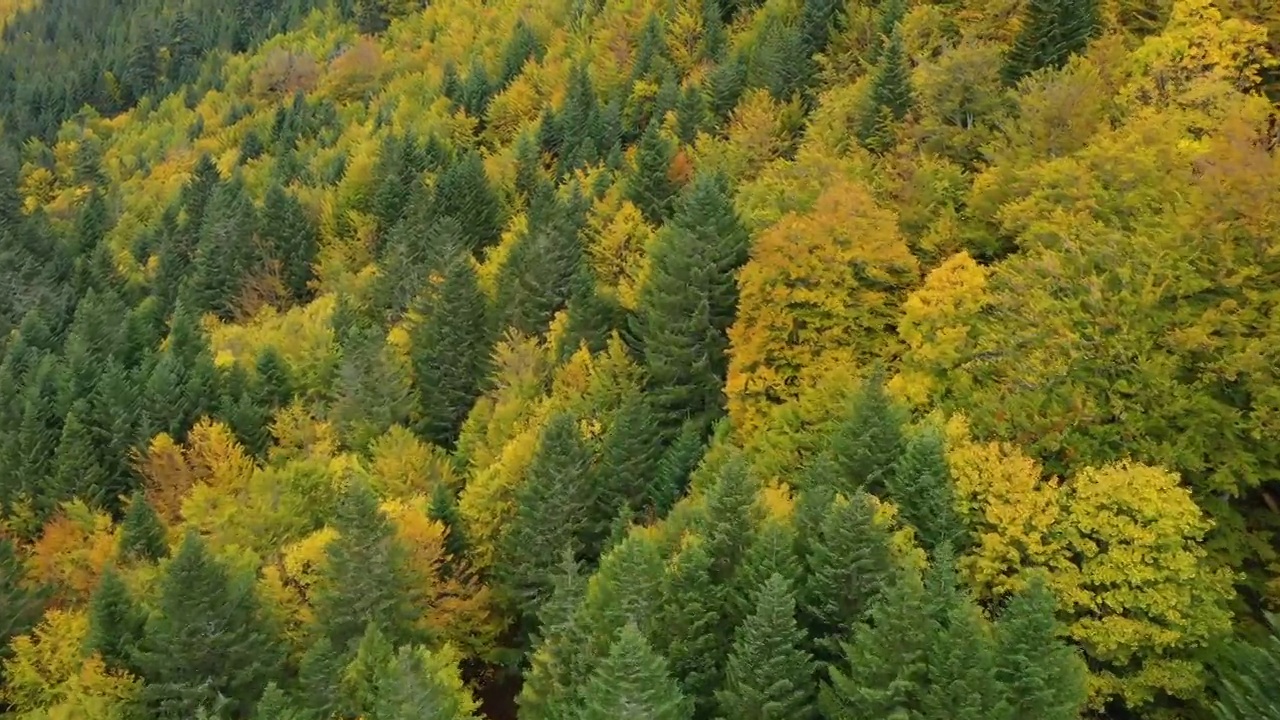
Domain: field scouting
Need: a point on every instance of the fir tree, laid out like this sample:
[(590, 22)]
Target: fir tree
[(360, 677), (650, 186), (848, 565), (633, 683), (675, 466), (142, 536), (1044, 678), (725, 85), (817, 19), (1051, 32), (116, 623), (272, 384), (366, 580), (520, 48), (227, 254), (772, 552), (276, 705), (450, 352), (593, 316), (319, 676), (206, 640), (541, 274), (463, 193), (76, 470), (629, 457), (291, 238), (22, 603), (730, 518), (477, 91), (558, 661), (418, 683), (373, 392), (867, 441), (692, 629), (891, 97), (552, 513), (769, 676), (921, 486)]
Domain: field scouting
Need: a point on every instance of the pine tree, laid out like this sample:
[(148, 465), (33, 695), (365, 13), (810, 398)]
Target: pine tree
[(780, 62), (419, 683), (817, 19), (366, 580), (593, 316), (689, 302), (867, 442), (142, 536), (557, 664), (520, 48), (692, 628), (629, 454), (373, 392), (21, 603), (1052, 31), (772, 552), (691, 114), (206, 640), (477, 91), (76, 470), (463, 193), (395, 180), (227, 254), (769, 676), (650, 186), (1044, 678), (444, 509), (552, 512), (633, 683), (577, 130), (725, 85), (675, 466), (848, 565), (272, 384), (276, 705), (540, 276), (116, 623), (450, 352), (291, 238), (921, 486), (730, 518), (891, 97)]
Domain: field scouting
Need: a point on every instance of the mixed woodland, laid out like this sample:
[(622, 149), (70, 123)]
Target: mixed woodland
[(639, 359)]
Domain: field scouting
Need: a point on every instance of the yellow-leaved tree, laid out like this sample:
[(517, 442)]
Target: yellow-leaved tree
[(821, 290)]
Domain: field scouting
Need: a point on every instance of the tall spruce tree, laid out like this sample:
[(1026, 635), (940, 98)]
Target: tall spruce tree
[(419, 683), (1045, 678), (77, 473), (1051, 32), (867, 441), (692, 629), (921, 486), (450, 350), (633, 683), (891, 96), (291, 238), (116, 623), (558, 662), (206, 640), (22, 603), (366, 579), (142, 536), (463, 193), (769, 675), (650, 186), (772, 552)]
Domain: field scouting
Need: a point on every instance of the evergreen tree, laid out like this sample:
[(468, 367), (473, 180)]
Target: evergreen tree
[(450, 352), (1051, 32), (360, 677), (540, 276), (552, 512), (319, 676), (463, 193), (276, 705), (206, 640), (227, 255), (1044, 678), (520, 48), (633, 683), (373, 392), (593, 316), (629, 454), (272, 384), (444, 509), (780, 62), (849, 565), (817, 19), (769, 676), (675, 466), (730, 518), (366, 580), (725, 85), (650, 186), (142, 536), (76, 470), (116, 623), (576, 133), (291, 238), (691, 114), (21, 602), (690, 300), (419, 683), (772, 552), (921, 486), (692, 629), (477, 91), (891, 97), (867, 441), (557, 664), (395, 180)]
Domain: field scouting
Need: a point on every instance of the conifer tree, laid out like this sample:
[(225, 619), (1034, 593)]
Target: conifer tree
[(543, 270), (633, 683), (769, 675), (692, 630), (373, 392), (116, 622), (552, 512), (291, 238), (227, 254), (206, 640), (817, 19), (396, 179), (772, 552), (675, 466), (1042, 676), (1051, 32), (366, 580), (557, 664), (577, 130), (360, 677), (730, 518), (272, 384), (725, 85), (444, 509), (142, 536), (521, 46), (891, 96), (276, 705), (418, 683), (319, 676), (629, 455), (593, 316), (463, 193), (76, 470), (650, 186), (450, 352), (848, 565), (477, 90), (921, 486), (22, 603), (867, 441)]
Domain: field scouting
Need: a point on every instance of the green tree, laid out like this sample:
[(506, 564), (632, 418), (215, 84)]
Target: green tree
[(291, 238), (867, 441), (817, 19), (366, 579), (1044, 678), (116, 622), (419, 683), (772, 552), (206, 639), (629, 454), (142, 536), (725, 85), (650, 185), (463, 193), (76, 469), (730, 517), (22, 602), (557, 665), (521, 46), (769, 675), (227, 254), (633, 683), (275, 704), (1051, 32), (675, 466), (692, 625), (450, 350), (890, 99), (372, 392), (921, 486)]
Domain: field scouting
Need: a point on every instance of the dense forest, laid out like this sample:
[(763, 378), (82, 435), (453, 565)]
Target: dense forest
[(639, 359)]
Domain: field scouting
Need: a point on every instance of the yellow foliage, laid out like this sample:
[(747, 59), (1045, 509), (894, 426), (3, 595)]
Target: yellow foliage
[(73, 550), (618, 241), (303, 337), (48, 673), (820, 290), (403, 465), (487, 501), (217, 458), (299, 433), (167, 477)]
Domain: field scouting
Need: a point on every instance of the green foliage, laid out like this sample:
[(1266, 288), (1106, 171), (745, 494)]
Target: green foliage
[(1043, 677), (633, 683), (868, 441), (1052, 31), (921, 486), (650, 186), (891, 97), (116, 622), (142, 535), (769, 675)]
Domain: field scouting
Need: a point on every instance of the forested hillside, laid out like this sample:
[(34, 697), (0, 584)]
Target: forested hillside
[(680, 360)]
